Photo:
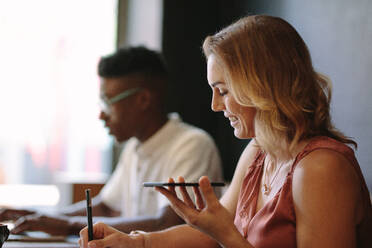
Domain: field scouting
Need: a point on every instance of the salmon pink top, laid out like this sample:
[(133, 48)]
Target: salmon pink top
[(274, 225)]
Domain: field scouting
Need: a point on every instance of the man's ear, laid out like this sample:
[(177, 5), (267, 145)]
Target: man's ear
[(144, 99)]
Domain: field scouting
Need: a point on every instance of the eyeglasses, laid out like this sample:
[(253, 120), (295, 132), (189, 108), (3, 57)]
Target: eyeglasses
[(105, 102)]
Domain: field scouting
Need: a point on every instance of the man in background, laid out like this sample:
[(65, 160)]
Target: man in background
[(158, 146)]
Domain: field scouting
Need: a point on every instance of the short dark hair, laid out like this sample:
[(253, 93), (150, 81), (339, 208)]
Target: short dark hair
[(132, 60)]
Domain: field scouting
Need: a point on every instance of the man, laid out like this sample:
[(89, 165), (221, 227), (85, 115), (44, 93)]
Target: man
[(133, 86)]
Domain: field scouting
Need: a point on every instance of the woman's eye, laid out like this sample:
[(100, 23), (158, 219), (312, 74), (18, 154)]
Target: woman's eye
[(222, 93)]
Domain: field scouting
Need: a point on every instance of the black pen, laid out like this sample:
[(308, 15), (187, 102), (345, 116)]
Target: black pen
[(89, 215)]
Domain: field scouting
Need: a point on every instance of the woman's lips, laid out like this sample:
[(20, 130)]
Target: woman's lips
[(233, 121)]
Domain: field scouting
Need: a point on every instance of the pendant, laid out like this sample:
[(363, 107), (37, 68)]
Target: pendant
[(265, 189)]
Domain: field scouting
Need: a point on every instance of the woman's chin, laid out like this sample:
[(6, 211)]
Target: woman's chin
[(238, 134), (242, 135)]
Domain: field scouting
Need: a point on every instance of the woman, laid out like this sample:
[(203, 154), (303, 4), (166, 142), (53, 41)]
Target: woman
[(297, 183)]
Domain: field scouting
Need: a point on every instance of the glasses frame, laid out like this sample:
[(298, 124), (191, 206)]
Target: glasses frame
[(106, 102)]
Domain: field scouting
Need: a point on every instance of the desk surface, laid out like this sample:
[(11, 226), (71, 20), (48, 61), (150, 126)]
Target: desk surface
[(40, 240), (17, 244)]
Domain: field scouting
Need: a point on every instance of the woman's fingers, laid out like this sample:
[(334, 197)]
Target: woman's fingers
[(100, 231), (181, 208), (106, 236), (171, 188), (109, 241), (185, 195), (207, 191), (198, 198), (83, 237), (168, 194)]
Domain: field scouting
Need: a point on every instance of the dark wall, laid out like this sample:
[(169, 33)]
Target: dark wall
[(185, 25)]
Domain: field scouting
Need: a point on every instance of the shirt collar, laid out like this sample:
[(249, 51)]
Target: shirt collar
[(159, 137)]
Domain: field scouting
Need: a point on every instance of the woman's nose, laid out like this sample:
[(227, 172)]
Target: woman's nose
[(217, 104)]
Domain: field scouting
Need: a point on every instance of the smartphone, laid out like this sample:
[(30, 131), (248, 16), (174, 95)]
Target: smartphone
[(158, 184)]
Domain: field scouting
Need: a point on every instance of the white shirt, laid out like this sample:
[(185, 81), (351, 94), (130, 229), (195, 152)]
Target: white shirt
[(177, 149)]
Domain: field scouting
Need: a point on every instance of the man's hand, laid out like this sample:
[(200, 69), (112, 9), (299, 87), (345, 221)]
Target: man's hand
[(13, 214), (48, 224)]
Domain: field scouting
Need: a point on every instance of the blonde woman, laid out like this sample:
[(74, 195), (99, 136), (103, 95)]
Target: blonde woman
[(297, 183)]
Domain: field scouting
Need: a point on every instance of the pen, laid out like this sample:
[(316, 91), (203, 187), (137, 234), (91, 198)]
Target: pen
[(89, 215)]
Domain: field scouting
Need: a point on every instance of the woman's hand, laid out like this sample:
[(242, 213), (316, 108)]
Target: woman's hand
[(106, 236), (208, 216)]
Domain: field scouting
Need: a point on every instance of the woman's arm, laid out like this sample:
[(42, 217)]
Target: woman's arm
[(174, 237), (325, 194), (182, 236)]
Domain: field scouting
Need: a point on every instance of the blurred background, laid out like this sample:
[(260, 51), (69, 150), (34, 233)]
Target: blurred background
[(50, 135)]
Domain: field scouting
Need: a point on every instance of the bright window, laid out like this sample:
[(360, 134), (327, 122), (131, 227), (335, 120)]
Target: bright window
[(49, 51)]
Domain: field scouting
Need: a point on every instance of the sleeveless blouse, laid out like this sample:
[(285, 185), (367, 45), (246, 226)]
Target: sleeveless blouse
[(274, 225)]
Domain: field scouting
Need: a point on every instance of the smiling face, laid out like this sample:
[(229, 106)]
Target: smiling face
[(241, 117)]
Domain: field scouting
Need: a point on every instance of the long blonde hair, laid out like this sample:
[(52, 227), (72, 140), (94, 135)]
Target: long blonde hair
[(267, 64)]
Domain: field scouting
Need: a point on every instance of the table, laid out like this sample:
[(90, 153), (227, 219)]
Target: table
[(19, 241), (19, 244)]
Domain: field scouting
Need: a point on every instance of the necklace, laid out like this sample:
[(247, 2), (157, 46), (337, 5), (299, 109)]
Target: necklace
[(266, 188)]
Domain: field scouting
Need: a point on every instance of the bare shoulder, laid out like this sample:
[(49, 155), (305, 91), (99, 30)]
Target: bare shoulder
[(328, 165), (326, 187)]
